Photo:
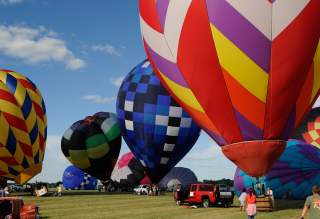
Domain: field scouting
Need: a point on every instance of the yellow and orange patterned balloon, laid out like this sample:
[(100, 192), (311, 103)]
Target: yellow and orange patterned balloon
[(23, 127)]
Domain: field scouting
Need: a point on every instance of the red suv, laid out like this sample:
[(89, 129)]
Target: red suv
[(205, 194)]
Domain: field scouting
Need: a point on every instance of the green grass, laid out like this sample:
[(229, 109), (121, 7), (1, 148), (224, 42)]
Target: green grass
[(102, 205)]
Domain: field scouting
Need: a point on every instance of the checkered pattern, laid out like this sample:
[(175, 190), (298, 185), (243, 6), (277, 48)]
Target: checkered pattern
[(23, 125), (93, 144), (84, 183), (128, 171), (312, 136), (309, 130), (76, 179), (157, 130)]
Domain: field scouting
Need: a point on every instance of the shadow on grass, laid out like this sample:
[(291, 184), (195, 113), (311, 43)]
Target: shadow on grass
[(72, 193), (288, 204), (69, 193)]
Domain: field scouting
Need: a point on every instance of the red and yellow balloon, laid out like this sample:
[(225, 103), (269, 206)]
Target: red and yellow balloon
[(247, 72), (23, 127)]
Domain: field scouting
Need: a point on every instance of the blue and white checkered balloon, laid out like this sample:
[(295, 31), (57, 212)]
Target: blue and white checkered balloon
[(156, 129), (75, 179)]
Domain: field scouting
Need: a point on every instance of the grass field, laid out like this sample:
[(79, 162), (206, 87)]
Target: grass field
[(102, 205)]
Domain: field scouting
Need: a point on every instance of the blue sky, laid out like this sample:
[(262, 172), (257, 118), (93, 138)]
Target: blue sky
[(77, 52)]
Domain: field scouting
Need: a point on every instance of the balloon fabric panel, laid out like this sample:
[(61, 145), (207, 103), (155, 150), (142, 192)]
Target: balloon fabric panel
[(129, 171), (181, 175), (249, 67), (93, 144), (75, 179), (23, 127), (156, 129), (297, 170), (309, 130)]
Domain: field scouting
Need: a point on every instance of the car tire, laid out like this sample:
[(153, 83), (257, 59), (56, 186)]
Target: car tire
[(206, 203)]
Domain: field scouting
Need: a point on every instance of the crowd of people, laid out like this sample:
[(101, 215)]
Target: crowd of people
[(153, 190)]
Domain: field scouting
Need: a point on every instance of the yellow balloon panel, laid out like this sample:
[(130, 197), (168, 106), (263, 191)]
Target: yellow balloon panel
[(23, 127)]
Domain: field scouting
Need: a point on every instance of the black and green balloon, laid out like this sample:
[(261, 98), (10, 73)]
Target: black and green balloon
[(93, 144)]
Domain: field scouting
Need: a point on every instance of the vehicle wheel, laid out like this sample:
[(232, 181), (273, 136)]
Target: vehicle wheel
[(205, 203)]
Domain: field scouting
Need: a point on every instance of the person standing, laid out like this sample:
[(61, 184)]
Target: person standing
[(251, 204), (59, 190), (242, 199), (312, 204), (270, 194)]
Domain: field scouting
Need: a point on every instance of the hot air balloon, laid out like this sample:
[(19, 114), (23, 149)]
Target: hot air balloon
[(23, 126), (246, 71), (75, 179), (156, 129), (129, 171), (309, 130), (296, 171), (93, 144), (176, 176)]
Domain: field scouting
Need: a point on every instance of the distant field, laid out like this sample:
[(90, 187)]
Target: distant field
[(102, 205)]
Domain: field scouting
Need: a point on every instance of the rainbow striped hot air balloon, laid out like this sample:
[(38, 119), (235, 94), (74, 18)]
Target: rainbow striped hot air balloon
[(246, 71), (23, 127)]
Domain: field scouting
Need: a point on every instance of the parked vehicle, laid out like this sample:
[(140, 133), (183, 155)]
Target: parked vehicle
[(13, 207), (205, 195), (15, 188), (141, 189)]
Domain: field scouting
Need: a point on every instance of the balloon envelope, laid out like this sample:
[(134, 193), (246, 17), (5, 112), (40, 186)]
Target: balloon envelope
[(297, 170), (23, 126), (309, 130), (93, 144), (129, 171), (75, 179), (178, 175), (246, 71), (156, 129)]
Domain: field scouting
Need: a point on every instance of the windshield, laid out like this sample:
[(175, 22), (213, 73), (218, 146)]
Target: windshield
[(206, 188)]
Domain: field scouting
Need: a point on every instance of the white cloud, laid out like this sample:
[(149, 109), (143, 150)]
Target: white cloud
[(98, 99), (106, 48), (209, 153), (117, 81), (54, 162), (36, 45), (10, 2)]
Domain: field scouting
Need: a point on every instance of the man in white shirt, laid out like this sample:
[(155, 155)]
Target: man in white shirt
[(270, 194), (242, 199)]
